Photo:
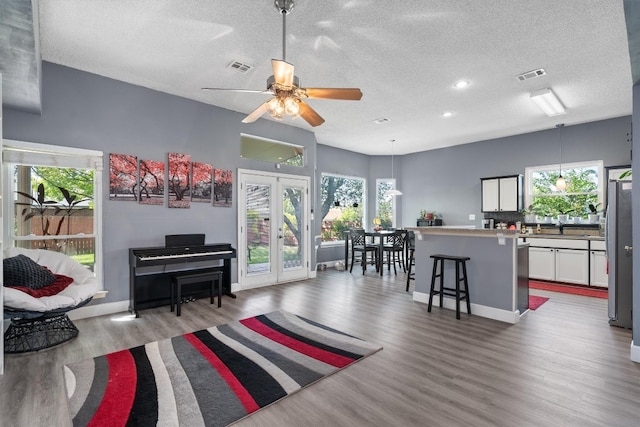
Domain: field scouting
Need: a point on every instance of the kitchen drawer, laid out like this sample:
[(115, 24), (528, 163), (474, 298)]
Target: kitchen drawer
[(598, 245), (558, 243)]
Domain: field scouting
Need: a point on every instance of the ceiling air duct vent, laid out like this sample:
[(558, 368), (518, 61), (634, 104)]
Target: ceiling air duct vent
[(240, 67), (531, 74)]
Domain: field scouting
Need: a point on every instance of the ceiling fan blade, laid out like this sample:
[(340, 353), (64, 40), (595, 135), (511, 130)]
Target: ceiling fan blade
[(349, 94), (238, 90), (309, 114), (282, 72), (257, 113)]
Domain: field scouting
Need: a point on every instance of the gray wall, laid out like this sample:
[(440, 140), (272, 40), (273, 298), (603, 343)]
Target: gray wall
[(88, 111), (448, 180)]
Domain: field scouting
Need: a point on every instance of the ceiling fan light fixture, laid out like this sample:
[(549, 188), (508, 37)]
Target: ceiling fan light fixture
[(291, 107)]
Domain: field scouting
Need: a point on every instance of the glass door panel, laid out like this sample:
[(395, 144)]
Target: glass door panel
[(273, 236), (293, 233), (258, 228)]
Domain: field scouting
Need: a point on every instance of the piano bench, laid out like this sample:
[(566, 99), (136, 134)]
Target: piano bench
[(214, 277)]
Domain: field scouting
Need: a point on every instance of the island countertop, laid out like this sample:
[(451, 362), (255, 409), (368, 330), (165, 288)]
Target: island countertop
[(465, 231), (483, 232)]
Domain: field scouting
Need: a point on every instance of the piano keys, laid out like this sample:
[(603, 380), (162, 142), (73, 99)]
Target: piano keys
[(150, 271)]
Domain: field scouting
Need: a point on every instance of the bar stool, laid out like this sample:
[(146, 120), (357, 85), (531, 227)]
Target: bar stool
[(411, 257), (459, 294)]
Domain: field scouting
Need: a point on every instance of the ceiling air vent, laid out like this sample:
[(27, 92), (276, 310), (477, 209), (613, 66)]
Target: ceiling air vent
[(381, 120), (531, 74), (240, 67)]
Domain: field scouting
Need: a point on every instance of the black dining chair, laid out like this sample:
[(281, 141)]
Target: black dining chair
[(411, 257), (394, 247), (359, 244)]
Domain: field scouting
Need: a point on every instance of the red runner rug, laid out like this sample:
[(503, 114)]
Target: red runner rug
[(566, 289), (536, 301)]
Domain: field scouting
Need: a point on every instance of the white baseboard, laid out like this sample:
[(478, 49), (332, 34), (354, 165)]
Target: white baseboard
[(94, 310), (99, 310), (635, 353), (476, 309)]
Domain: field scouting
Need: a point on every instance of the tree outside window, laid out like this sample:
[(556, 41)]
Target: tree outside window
[(385, 208), (584, 189), (57, 204), (342, 205)]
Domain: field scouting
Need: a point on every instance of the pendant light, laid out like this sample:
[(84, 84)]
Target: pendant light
[(561, 184), (393, 191)]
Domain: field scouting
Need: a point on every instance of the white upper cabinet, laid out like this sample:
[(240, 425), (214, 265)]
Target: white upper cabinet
[(490, 195), (502, 194)]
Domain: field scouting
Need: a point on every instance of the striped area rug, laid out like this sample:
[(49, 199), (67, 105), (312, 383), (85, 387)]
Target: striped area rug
[(211, 377)]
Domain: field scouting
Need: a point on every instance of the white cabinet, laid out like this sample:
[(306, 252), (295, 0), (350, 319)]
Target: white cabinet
[(542, 263), (510, 194), (598, 269), (490, 195), (572, 266), (502, 194), (559, 260)]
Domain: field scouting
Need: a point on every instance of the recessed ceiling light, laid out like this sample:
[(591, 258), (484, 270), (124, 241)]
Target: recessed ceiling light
[(461, 84), (447, 114)]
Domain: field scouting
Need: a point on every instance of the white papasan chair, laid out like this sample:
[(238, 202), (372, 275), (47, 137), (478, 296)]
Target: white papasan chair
[(39, 323)]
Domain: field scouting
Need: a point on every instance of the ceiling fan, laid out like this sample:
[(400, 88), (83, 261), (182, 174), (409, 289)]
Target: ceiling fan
[(288, 95)]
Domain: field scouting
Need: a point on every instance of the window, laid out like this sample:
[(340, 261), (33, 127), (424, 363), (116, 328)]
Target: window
[(584, 189), (268, 150), (343, 204), (53, 200), (385, 203)]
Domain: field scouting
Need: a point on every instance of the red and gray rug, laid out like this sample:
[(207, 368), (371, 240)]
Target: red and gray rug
[(211, 377)]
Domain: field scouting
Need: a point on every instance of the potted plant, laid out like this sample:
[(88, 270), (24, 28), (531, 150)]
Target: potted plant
[(563, 216), (594, 216), (529, 215)]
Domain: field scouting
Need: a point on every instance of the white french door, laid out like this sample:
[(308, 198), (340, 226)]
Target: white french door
[(273, 234)]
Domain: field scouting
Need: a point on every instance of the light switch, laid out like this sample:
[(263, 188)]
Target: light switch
[(472, 217)]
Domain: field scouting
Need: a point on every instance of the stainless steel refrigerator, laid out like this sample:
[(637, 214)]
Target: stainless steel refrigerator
[(619, 253)]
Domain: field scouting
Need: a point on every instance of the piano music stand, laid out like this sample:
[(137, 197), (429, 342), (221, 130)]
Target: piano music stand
[(183, 240)]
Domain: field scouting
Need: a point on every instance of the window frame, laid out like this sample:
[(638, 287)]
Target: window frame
[(530, 170), (363, 203), (23, 153)]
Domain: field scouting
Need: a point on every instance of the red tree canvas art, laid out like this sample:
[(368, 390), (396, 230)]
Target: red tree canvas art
[(201, 186), (123, 176), (179, 180), (151, 182), (222, 187)]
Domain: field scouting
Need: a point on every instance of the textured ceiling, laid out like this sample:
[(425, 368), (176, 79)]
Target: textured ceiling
[(405, 56)]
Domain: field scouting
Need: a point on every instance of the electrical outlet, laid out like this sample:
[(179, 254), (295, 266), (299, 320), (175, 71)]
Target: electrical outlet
[(472, 217)]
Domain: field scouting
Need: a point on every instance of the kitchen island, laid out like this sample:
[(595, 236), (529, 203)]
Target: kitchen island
[(498, 271)]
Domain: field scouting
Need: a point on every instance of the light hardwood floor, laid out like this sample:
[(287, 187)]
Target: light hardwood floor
[(562, 365)]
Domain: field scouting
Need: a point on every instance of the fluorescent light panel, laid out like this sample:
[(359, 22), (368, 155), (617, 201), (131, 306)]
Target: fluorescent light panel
[(548, 102)]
